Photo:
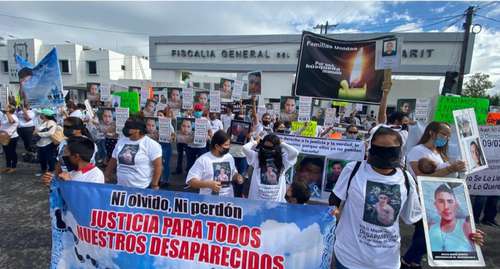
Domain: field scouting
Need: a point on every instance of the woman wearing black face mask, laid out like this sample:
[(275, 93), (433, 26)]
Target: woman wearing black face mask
[(213, 171), (374, 193), (136, 157), (270, 161)]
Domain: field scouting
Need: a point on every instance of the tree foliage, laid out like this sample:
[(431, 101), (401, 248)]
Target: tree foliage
[(478, 85)]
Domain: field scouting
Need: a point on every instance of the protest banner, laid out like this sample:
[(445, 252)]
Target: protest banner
[(288, 108), (487, 181), (307, 129), (4, 96), (493, 118), (254, 83), (144, 96), (129, 100), (88, 109), (185, 130), (165, 129), (454, 249), (388, 54), (111, 226), (215, 101), (407, 106), (336, 69), (446, 105), (115, 101), (226, 89), (41, 85), (239, 131), (175, 99), (200, 131), (121, 116), (202, 97), (471, 149), (187, 98), (305, 106), (422, 108), (105, 92), (238, 90)]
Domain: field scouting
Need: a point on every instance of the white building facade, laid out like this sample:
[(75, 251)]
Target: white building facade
[(79, 64)]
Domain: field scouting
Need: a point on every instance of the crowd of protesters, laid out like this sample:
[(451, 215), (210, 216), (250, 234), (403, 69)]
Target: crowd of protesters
[(72, 144)]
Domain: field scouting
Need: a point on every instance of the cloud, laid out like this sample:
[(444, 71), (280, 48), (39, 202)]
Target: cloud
[(398, 16), (438, 9), (486, 56), (409, 27)]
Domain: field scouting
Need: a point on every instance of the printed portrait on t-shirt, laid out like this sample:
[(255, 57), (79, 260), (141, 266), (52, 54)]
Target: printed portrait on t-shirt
[(310, 170), (222, 173), (127, 154), (289, 176), (269, 174), (382, 203)]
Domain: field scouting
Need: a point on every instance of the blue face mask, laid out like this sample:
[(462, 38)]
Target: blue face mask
[(440, 142), (198, 114)]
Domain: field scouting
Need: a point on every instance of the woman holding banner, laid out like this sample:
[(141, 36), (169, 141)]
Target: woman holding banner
[(433, 145), (271, 155)]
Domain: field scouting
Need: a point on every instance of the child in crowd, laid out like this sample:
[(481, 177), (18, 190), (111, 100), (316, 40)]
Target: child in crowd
[(298, 193), (428, 166)]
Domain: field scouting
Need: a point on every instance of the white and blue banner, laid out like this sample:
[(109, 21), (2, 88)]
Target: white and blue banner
[(41, 85), (110, 226)]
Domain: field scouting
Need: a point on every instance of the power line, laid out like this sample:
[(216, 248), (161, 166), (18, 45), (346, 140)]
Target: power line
[(488, 18), (432, 24)]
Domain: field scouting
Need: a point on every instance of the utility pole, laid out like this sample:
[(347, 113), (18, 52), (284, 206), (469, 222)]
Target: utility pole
[(323, 28), (467, 26)]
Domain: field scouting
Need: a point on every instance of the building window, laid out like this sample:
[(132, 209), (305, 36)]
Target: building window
[(5, 67), (196, 85), (92, 67), (123, 68), (64, 65), (206, 85)]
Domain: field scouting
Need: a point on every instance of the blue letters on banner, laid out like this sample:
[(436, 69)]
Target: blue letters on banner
[(41, 86), (110, 226)]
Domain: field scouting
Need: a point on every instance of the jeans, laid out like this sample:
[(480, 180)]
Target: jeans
[(10, 153), (26, 134), (192, 154), (417, 248), (180, 156), (47, 157), (101, 150), (242, 167), (166, 149), (490, 210)]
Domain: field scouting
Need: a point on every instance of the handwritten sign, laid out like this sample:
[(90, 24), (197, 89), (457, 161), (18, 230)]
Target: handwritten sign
[(446, 105)]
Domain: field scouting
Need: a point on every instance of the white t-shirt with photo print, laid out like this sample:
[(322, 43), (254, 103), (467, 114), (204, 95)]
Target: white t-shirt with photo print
[(369, 225), (135, 161), (210, 167)]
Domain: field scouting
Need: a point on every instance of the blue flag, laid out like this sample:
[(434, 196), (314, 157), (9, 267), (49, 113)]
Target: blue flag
[(110, 226), (41, 85)]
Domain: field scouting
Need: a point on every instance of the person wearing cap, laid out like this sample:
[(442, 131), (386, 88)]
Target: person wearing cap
[(195, 150), (8, 124), (137, 158), (46, 149)]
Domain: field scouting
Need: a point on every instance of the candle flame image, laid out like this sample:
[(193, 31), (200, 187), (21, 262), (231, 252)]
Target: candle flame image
[(357, 67)]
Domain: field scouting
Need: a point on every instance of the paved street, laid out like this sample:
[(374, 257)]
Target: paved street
[(24, 224)]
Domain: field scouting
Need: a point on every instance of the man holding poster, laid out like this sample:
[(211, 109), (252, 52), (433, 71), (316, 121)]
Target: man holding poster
[(337, 69)]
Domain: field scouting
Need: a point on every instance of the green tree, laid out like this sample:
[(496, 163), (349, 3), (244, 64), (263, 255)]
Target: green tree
[(478, 85), (494, 100)]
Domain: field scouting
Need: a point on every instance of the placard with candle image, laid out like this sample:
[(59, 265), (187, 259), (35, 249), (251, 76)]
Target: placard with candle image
[(336, 69)]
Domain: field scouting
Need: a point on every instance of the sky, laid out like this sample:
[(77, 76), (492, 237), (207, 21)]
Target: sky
[(126, 26)]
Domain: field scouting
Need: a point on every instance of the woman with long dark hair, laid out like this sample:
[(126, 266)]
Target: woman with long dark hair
[(270, 159), (46, 149)]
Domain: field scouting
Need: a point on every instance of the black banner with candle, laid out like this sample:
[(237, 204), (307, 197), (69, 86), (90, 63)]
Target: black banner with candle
[(336, 69)]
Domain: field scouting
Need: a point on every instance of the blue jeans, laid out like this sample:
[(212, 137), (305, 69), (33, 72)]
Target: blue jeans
[(242, 167), (47, 157), (101, 150), (490, 210), (192, 154), (417, 248), (338, 265), (166, 149)]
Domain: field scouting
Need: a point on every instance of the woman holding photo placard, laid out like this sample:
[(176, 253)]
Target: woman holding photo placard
[(433, 145)]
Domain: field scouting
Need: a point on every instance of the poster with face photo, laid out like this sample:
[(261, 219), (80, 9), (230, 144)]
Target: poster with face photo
[(107, 122), (254, 83), (471, 147), (407, 106), (174, 98), (185, 130), (93, 93), (202, 97), (222, 173), (448, 222), (310, 169), (289, 108), (332, 173), (160, 95), (152, 128), (226, 89), (239, 131)]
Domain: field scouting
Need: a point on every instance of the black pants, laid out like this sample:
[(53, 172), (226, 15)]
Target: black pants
[(110, 144), (47, 157), (10, 153), (181, 147), (26, 134)]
